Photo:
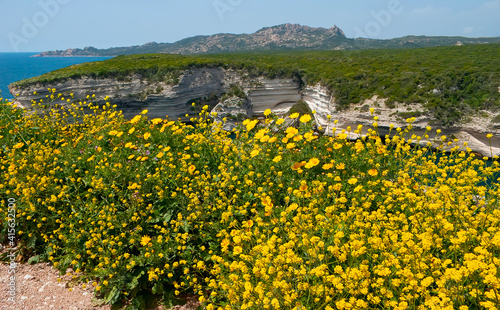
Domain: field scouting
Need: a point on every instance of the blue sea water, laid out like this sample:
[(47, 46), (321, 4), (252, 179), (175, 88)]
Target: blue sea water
[(19, 66)]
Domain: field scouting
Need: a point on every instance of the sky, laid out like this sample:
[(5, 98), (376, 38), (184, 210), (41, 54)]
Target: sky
[(42, 25)]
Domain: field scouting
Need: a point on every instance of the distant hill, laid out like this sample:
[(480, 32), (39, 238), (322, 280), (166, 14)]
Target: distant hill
[(281, 37)]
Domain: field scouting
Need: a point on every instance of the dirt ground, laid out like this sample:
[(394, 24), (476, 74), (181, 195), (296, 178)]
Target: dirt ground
[(40, 287)]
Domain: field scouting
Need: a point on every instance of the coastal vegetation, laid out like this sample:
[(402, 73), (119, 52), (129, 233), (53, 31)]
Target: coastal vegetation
[(263, 217), (449, 81)]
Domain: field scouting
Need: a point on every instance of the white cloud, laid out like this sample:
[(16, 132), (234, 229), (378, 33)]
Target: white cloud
[(491, 5), (430, 10), (468, 30), (423, 11)]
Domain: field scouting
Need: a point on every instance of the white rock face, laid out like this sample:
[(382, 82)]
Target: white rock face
[(233, 110), (473, 131), (163, 98), (318, 99), (133, 95), (279, 95)]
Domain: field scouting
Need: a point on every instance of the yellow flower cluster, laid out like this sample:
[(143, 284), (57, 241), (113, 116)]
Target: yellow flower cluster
[(264, 217)]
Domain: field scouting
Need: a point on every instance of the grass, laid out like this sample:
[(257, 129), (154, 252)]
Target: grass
[(264, 217)]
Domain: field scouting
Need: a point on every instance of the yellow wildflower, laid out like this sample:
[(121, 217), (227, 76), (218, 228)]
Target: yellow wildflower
[(135, 119), (373, 172), (305, 118), (312, 162), (145, 240), (254, 153)]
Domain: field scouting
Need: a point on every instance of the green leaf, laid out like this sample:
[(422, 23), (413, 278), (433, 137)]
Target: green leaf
[(137, 304), (97, 302), (135, 281), (4, 258), (157, 289), (48, 250), (34, 260), (185, 226), (167, 216), (131, 307), (112, 296), (170, 299), (31, 242), (133, 284)]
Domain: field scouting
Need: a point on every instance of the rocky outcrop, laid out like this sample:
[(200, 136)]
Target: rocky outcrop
[(319, 99), (472, 130), (279, 95), (132, 95), (173, 96), (174, 99), (231, 111)]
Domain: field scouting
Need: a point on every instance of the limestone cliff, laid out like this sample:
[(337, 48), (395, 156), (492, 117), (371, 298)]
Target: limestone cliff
[(172, 97), (472, 130)]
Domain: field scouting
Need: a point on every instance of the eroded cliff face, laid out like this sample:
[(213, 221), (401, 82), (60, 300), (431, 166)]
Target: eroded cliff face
[(134, 94), (279, 95), (164, 98), (173, 98), (472, 130)]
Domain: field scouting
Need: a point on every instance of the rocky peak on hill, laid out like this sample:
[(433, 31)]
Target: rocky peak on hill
[(285, 36), (295, 36), (293, 30)]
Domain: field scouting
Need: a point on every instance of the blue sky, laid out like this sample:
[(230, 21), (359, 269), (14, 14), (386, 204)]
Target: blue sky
[(40, 25)]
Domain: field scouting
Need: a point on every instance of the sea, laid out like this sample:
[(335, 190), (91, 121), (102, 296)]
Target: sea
[(19, 66)]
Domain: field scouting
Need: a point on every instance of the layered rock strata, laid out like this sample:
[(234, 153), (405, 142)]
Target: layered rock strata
[(207, 85), (473, 130)]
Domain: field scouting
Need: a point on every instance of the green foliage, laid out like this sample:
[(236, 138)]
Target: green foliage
[(300, 107), (405, 115), (234, 90), (496, 119), (365, 108)]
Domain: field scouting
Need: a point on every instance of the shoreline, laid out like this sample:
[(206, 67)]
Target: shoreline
[(48, 56)]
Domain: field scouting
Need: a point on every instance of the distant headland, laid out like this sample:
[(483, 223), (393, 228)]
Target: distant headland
[(280, 37)]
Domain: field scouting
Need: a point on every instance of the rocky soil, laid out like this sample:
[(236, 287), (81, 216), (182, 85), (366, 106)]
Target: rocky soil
[(41, 287)]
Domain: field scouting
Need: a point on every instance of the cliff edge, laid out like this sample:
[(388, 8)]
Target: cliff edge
[(235, 96)]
